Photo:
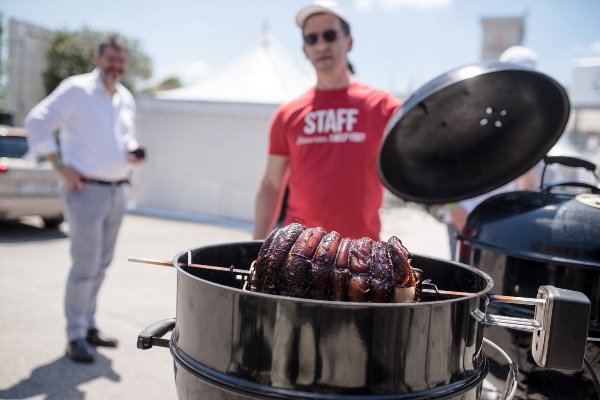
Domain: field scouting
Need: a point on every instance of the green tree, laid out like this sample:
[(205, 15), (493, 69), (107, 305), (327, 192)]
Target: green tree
[(170, 83), (71, 53)]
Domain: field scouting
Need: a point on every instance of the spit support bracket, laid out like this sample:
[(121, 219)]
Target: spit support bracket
[(559, 326)]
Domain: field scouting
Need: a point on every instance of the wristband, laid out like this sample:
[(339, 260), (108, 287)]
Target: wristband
[(450, 206), (57, 163)]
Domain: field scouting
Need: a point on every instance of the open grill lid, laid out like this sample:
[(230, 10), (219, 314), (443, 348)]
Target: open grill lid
[(470, 131)]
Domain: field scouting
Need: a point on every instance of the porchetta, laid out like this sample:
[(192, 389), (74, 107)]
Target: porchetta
[(310, 263)]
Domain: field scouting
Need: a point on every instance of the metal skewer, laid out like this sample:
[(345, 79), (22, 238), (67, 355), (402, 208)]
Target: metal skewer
[(167, 263), (427, 288)]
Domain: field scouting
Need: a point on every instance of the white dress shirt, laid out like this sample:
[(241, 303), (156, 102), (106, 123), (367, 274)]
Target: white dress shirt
[(469, 204), (97, 130)]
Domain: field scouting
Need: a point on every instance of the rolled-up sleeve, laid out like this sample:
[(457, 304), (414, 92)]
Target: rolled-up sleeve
[(47, 116)]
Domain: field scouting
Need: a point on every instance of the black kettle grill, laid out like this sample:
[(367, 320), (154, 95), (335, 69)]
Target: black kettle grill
[(549, 235), (471, 131)]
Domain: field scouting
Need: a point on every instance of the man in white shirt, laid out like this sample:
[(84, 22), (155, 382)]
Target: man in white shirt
[(95, 115)]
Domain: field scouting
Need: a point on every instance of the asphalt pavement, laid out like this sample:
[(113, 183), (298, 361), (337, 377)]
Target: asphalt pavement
[(34, 264)]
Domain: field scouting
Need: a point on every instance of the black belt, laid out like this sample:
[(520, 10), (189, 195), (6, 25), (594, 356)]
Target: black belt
[(107, 183)]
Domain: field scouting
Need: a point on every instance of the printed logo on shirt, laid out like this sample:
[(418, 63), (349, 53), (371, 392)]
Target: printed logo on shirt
[(335, 125)]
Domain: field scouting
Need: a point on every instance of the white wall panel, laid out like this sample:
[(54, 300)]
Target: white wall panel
[(203, 158)]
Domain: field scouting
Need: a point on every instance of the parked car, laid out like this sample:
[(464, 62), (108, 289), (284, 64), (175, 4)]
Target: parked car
[(28, 185)]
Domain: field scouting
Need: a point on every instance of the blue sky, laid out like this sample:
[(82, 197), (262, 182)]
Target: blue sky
[(398, 44)]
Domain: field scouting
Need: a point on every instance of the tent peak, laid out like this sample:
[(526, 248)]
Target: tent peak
[(266, 36), (264, 73)]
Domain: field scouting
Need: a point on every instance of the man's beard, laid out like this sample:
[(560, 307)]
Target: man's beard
[(110, 78)]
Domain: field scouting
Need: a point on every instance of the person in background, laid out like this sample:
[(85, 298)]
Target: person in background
[(95, 115), (590, 145), (324, 144), (455, 215)]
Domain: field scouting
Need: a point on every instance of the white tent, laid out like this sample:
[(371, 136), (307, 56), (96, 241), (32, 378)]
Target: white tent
[(263, 74), (207, 142)]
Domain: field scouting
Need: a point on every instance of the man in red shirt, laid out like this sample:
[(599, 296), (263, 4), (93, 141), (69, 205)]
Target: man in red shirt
[(323, 146)]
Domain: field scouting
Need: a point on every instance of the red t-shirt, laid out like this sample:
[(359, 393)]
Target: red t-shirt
[(333, 138)]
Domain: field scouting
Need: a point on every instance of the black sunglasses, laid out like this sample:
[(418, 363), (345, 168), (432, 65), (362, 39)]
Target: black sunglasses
[(329, 35)]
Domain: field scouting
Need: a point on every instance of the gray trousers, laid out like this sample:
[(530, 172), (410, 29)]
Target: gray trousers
[(452, 232), (94, 218)]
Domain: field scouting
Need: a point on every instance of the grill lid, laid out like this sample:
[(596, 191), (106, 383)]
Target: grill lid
[(540, 225), (470, 131)]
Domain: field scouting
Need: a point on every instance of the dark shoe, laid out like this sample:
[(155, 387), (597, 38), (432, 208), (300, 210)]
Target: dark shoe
[(78, 350), (97, 338)]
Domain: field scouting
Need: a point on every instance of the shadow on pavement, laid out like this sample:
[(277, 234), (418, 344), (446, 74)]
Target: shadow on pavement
[(59, 379), (18, 231)]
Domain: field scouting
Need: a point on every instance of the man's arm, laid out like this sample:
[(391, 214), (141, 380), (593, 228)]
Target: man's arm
[(458, 215), (269, 195), (42, 121), (71, 176), (527, 180), (46, 117)]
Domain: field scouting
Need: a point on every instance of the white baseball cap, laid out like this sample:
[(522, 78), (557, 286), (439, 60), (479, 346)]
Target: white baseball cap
[(523, 56), (320, 6)]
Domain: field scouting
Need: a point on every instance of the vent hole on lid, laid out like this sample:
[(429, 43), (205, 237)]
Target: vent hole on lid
[(488, 110), (483, 122), (503, 113), (498, 124)]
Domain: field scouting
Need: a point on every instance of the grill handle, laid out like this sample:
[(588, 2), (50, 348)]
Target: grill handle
[(559, 326), (584, 185), (521, 324), (574, 162), (151, 336), (512, 380)]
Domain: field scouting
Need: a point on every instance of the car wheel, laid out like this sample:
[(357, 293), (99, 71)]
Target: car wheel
[(51, 223)]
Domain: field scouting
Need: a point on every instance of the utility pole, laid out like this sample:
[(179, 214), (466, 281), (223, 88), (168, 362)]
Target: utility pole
[(2, 86), (1, 44)]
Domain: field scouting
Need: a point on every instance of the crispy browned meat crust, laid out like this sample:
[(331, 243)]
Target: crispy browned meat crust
[(303, 262)]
